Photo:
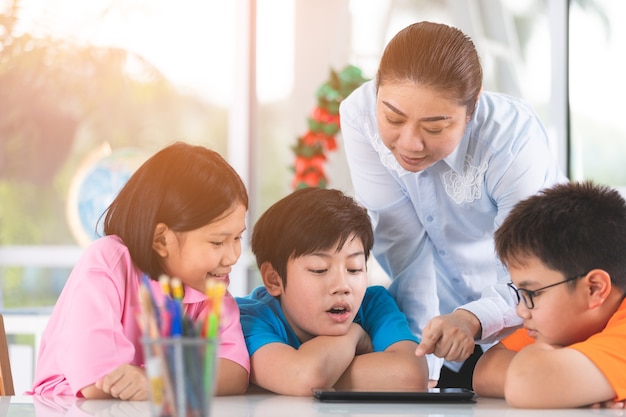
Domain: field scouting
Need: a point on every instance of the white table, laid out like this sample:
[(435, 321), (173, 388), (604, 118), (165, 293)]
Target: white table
[(264, 405)]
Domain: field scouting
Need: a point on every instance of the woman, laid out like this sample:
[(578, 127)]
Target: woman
[(439, 163)]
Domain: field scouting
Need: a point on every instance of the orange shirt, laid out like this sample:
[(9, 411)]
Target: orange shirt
[(517, 340), (607, 349)]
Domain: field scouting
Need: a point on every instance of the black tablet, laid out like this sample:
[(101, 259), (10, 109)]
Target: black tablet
[(433, 395)]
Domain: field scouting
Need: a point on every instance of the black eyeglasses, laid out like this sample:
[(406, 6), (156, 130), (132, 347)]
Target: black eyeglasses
[(527, 295)]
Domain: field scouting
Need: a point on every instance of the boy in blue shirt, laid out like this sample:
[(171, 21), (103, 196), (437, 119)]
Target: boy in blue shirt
[(315, 323)]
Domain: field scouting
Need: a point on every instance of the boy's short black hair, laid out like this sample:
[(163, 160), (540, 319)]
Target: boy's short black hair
[(572, 228), (306, 221)]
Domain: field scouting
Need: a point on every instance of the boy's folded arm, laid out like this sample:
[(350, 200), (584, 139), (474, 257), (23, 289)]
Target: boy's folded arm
[(396, 368), (490, 371), (317, 363), (541, 376)]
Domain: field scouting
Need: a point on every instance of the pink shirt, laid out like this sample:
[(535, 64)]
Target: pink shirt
[(93, 328)]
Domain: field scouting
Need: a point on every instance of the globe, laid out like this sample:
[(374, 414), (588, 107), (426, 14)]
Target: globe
[(94, 186)]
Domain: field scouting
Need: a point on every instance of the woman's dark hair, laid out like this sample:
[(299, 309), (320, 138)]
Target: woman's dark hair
[(184, 186), (437, 56)]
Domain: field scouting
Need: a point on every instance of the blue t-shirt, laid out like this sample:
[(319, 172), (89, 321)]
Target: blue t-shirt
[(263, 321)]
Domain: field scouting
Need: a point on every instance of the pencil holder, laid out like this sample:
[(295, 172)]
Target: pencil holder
[(181, 373)]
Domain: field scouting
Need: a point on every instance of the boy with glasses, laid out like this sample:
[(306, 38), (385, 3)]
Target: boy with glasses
[(565, 249)]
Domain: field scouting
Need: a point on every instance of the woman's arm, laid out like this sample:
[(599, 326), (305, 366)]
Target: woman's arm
[(520, 164)]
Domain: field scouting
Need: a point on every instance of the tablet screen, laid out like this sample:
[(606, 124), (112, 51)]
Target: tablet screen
[(431, 395)]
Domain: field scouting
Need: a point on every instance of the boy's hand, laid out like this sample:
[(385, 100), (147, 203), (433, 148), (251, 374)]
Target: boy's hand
[(364, 345), (127, 382), (450, 336), (610, 404)]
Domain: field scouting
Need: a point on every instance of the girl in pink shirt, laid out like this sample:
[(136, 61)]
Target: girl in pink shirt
[(181, 214)]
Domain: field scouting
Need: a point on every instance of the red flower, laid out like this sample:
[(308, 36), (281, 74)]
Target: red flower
[(327, 142), (331, 143), (309, 172), (322, 115), (323, 126), (311, 138), (304, 165)]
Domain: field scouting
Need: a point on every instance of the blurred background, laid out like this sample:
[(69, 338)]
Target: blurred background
[(89, 89)]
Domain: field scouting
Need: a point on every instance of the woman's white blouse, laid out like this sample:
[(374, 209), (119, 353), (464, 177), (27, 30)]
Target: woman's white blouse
[(434, 229)]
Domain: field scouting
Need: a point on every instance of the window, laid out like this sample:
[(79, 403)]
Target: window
[(90, 89), (597, 87)]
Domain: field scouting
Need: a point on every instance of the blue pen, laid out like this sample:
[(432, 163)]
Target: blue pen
[(185, 370), (176, 332), (155, 308)]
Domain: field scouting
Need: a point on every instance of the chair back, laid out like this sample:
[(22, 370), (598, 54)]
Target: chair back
[(6, 377)]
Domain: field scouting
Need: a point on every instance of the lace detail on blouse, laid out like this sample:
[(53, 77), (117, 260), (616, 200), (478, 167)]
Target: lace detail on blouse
[(466, 187)]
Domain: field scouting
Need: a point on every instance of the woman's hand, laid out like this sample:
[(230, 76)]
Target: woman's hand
[(450, 336)]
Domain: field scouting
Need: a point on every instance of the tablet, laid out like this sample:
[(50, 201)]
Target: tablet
[(432, 395)]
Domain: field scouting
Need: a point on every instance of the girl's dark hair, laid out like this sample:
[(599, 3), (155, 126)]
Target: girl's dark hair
[(184, 186), (306, 221), (437, 56)]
